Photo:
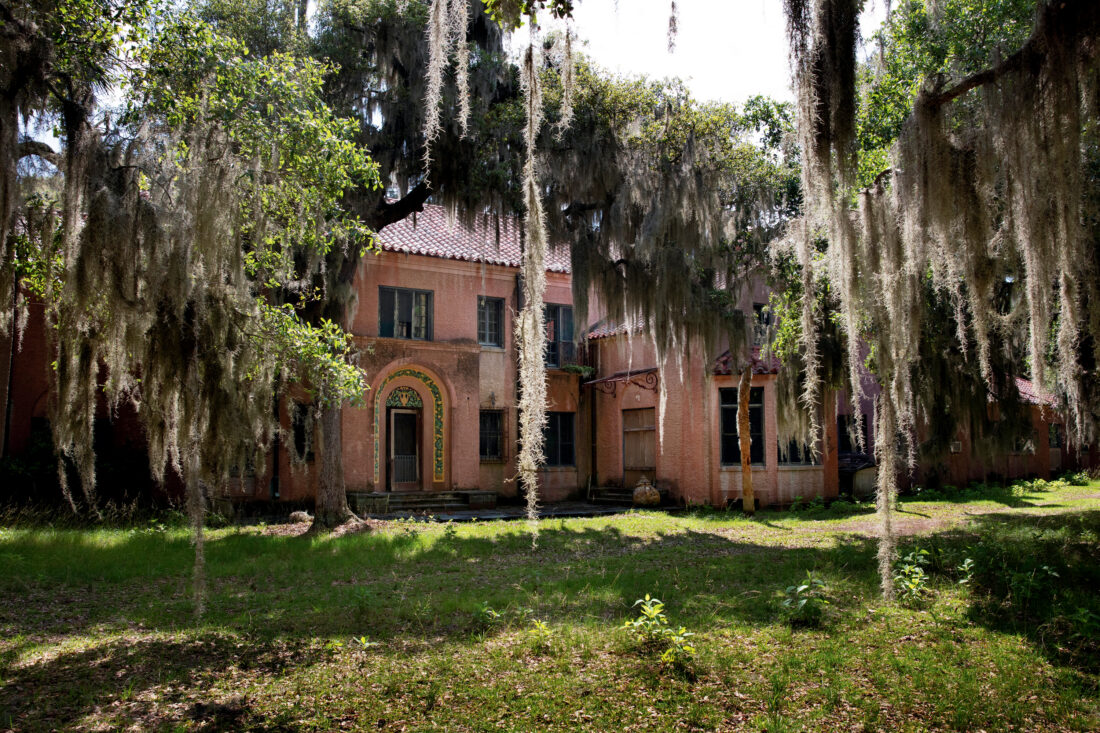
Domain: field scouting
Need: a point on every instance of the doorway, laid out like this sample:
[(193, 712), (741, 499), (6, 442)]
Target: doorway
[(404, 442), (639, 446)]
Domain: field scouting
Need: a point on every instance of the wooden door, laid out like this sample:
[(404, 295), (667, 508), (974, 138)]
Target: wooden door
[(639, 446)]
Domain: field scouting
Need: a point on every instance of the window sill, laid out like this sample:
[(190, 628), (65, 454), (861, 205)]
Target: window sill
[(737, 466), (491, 347), (799, 466), (493, 461)]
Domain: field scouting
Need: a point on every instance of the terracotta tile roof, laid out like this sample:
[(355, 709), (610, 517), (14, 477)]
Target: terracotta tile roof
[(431, 233), (606, 329), (1031, 394), (724, 364)]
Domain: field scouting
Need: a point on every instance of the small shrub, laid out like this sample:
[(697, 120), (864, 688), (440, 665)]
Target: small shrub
[(966, 571), (680, 653), (365, 642), (651, 631), (651, 626), (541, 634), (486, 615), (910, 578), (1086, 623), (804, 603), (1076, 479)]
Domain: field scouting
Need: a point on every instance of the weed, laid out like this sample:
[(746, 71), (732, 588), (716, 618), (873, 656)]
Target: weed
[(651, 631), (966, 571), (486, 615), (365, 642), (651, 627), (910, 578), (680, 653), (804, 603), (541, 634)]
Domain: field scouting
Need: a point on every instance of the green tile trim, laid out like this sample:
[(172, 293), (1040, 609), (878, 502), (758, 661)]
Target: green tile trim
[(404, 397), (437, 428)]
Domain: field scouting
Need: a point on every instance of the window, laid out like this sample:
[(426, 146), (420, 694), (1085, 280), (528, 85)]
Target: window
[(1055, 437), (797, 454), (559, 439), (847, 440), (302, 426), (490, 321), (492, 435), (761, 322), (1024, 445), (405, 314), (731, 444), (559, 335)]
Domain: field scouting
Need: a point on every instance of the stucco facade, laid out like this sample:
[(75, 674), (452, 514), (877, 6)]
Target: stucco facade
[(436, 380)]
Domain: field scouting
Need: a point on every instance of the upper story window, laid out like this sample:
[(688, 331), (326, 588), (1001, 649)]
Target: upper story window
[(761, 322), (490, 321), (405, 314), (559, 335), (731, 443), (301, 424)]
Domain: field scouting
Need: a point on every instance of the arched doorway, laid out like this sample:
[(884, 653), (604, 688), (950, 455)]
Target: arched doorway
[(414, 406), (403, 419)]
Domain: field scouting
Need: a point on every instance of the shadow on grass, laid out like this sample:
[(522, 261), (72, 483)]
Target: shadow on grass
[(273, 600), (145, 681), (390, 584), (1034, 576)]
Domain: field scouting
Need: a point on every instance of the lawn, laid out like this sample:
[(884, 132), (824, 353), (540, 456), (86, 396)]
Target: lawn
[(419, 626)]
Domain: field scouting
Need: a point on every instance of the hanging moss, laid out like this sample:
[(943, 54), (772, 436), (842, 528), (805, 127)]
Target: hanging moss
[(530, 326), (987, 178)]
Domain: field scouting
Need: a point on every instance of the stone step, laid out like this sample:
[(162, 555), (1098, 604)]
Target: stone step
[(612, 500), (421, 502)]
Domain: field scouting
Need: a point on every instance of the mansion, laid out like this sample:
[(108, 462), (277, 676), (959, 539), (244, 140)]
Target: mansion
[(434, 328)]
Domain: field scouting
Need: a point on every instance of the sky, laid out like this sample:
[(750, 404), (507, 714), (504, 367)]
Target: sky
[(726, 50)]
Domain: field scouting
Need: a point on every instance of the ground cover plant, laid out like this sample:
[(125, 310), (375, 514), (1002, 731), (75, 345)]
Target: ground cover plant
[(418, 626)]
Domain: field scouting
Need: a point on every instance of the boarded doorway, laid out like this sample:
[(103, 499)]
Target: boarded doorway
[(639, 445)]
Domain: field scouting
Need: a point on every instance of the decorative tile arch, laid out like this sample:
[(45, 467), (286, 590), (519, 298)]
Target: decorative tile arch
[(404, 397), (437, 428)]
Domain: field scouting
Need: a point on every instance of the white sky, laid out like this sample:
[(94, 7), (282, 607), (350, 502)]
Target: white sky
[(726, 50)]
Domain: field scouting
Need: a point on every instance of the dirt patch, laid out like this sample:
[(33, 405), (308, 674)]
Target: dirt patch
[(297, 529)]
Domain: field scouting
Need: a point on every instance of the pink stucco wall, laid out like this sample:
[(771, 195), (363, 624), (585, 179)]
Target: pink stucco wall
[(469, 376), (688, 429)]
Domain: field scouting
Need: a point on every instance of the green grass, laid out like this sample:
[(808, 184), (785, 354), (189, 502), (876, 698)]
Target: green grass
[(383, 631)]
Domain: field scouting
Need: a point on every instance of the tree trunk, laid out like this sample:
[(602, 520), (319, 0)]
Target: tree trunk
[(331, 508), (748, 499)]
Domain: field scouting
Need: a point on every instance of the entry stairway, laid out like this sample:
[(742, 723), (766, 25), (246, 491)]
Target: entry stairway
[(419, 502)]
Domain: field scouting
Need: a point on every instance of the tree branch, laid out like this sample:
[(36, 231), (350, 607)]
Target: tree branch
[(1066, 20), (28, 148), (387, 213)]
